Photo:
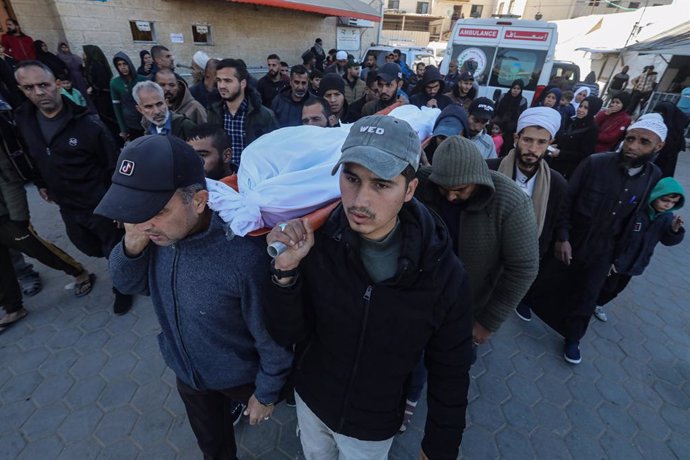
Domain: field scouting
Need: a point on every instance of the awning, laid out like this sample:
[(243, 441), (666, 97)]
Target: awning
[(677, 43), (346, 8)]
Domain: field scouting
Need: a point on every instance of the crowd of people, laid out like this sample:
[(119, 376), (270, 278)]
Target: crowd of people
[(505, 208)]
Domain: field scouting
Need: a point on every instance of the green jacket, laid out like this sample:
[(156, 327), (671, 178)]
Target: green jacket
[(121, 94), (497, 240)]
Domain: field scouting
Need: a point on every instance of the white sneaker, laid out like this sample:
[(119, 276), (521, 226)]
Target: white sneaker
[(600, 314)]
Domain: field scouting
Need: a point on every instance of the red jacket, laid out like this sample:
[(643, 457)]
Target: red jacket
[(20, 47), (611, 129)]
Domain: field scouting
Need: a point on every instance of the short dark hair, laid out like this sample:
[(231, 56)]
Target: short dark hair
[(567, 95), (298, 69), (188, 192), (284, 64), (64, 76), (397, 51), (325, 106), (408, 173), (273, 56), (316, 73), (33, 63), (157, 50), (219, 138), (239, 66)]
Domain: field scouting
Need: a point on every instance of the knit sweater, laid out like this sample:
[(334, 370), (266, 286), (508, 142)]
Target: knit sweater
[(497, 235), (206, 290)]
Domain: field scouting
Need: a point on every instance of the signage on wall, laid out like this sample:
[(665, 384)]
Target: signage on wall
[(144, 26), (347, 39), (177, 38), (201, 29)]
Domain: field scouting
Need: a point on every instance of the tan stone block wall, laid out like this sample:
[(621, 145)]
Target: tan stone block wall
[(238, 30)]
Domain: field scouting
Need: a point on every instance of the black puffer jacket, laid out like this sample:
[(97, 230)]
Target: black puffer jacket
[(421, 98), (287, 111), (77, 163), (359, 340)]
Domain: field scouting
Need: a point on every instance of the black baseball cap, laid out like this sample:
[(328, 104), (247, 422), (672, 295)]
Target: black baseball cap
[(148, 172), (390, 72), (482, 108)]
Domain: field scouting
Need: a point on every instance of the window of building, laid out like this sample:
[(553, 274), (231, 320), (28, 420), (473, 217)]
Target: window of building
[(201, 33), (142, 31), (476, 11), (393, 4), (422, 7), (613, 3), (634, 5), (593, 3)]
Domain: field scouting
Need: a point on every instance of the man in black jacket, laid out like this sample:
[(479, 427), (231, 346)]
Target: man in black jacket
[(239, 111), (74, 157), (287, 105), (367, 296)]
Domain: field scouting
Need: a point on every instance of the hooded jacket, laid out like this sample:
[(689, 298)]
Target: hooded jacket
[(259, 121), (13, 203), (76, 165), (431, 74), (188, 106), (124, 105), (287, 111), (650, 228), (495, 231), (360, 340)]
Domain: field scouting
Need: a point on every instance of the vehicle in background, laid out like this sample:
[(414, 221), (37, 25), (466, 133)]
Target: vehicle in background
[(504, 50), (438, 49), (410, 54)]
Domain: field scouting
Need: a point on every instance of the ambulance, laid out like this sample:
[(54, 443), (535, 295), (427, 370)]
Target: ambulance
[(504, 50)]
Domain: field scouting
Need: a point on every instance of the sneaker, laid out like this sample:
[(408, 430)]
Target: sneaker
[(600, 314), (236, 411), (571, 352), (523, 311), (407, 416)]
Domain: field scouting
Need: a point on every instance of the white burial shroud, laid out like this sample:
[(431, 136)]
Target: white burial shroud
[(287, 173)]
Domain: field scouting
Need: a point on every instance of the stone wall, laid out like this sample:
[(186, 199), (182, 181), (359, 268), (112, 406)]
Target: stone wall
[(238, 30)]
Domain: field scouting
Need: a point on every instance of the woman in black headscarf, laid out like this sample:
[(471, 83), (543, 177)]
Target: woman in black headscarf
[(511, 105), (146, 63), (98, 75), (53, 62), (75, 65), (577, 141), (676, 122)]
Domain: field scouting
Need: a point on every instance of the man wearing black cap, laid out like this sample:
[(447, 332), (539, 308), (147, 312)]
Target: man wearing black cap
[(74, 157), (366, 296), (205, 285), (430, 91), (354, 86), (332, 90), (390, 82), (481, 111)]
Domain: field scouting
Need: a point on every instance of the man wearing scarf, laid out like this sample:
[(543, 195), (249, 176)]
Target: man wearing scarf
[(597, 217)]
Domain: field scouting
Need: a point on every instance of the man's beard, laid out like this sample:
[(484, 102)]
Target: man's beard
[(627, 163), (218, 172), (522, 162), (231, 97)]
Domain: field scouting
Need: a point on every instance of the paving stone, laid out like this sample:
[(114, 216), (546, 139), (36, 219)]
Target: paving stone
[(116, 425), (616, 419), (523, 389), (95, 321), (584, 391), (37, 338), (20, 387), (12, 444), (118, 366), (553, 416), (479, 444), (157, 451), (30, 360), (487, 415), (553, 390), (680, 445), (79, 424), (45, 448), (649, 421), (584, 419), (613, 391), (677, 418), (530, 345), (123, 449), (181, 435), (93, 340), (151, 427), (68, 318), (118, 393), (659, 349), (45, 420), (556, 367), (85, 392), (651, 448), (52, 389), (174, 405), (544, 440), (519, 415), (617, 447), (120, 342), (147, 371), (288, 442), (512, 444), (493, 388), (255, 436), (14, 414), (57, 362), (89, 364), (84, 450), (150, 396), (672, 395)]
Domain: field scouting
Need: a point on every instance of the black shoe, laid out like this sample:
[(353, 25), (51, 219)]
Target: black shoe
[(571, 352), (290, 399), (123, 302), (523, 311), (236, 411)]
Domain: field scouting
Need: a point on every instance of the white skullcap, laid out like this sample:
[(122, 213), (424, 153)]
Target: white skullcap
[(653, 122), (542, 117), (340, 56), (200, 58)]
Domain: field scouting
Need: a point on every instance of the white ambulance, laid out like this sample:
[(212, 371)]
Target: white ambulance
[(504, 50)]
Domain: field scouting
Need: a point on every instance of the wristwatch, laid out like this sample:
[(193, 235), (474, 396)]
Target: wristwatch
[(280, 274)]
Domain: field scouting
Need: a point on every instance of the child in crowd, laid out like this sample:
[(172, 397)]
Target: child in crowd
[(566, 108), (497, 135), (656, 224), (65, 83)]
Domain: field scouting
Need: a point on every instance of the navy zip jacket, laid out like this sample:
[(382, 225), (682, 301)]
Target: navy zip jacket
[(77, 163), (206, 290), (359, 341)]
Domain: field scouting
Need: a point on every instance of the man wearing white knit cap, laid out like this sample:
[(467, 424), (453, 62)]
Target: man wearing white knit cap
[(525, 164), (604, 194)]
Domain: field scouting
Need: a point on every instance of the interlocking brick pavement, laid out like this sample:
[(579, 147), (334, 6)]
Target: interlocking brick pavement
[(77, 382)]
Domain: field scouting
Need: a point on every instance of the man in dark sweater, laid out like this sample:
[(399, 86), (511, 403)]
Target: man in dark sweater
[(205, 284), (365, 297), (273, 82), (74, 157)]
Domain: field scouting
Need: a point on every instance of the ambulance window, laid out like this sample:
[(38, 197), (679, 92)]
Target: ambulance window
[(511, 64), (481, 57)]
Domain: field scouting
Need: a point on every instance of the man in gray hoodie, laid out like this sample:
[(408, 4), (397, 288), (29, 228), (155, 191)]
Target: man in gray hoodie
[(206, 287)]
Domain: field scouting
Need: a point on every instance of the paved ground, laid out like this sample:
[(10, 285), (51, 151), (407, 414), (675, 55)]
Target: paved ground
[(78, 383)]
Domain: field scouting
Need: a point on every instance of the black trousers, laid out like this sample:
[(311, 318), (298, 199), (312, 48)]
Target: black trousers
[(10, 292), (614, 285), (209, 415), (586, 280), (93, 235)]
